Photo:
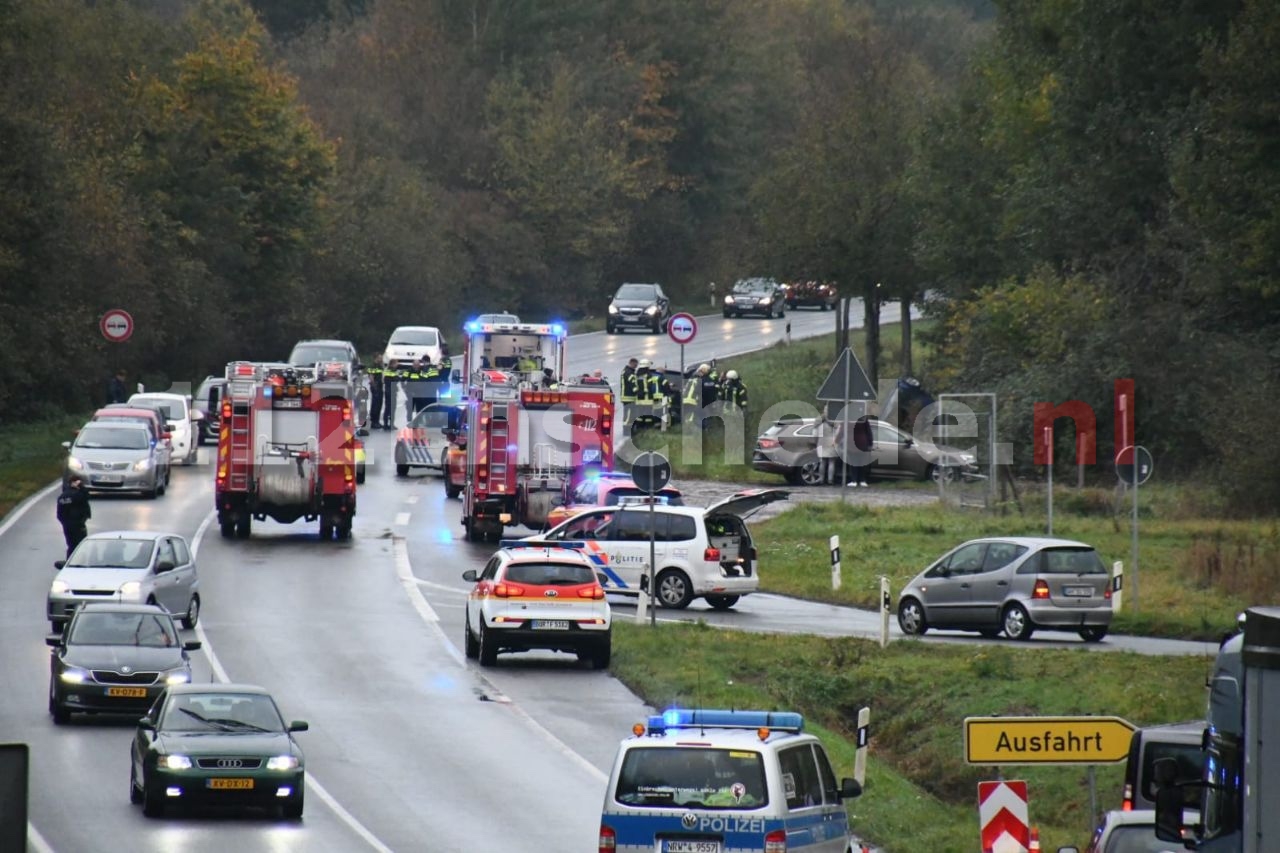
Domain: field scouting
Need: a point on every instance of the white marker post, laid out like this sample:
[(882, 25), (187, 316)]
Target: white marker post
[(864, 738), (885, 608), (835, 562), (642, 601), (1117, 585)]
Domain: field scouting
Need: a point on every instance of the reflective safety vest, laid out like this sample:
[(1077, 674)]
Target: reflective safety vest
[(734, 395), (630, 386), (648, 388), (692, 391)]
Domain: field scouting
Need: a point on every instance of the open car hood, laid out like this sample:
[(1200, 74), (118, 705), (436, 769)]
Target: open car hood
[(747, 501)]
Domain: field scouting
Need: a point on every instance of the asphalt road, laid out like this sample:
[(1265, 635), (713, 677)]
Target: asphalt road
[(411, 747)]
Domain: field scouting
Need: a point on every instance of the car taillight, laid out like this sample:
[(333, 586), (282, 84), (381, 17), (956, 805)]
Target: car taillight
[(767, 443), (608, 839), (711, 555), (1127, 804), (776, 841), (1106, 591), (507, 590), (592, 592), (1041, 590)]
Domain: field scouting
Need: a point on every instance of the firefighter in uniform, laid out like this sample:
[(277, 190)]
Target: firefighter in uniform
[(699, 395), (733, 393), (375, 392), (629, 388), (649, 394)]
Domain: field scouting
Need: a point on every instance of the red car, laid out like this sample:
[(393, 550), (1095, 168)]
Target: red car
[(606, 489)]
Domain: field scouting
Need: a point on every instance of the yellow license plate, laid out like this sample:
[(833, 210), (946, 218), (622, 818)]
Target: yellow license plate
[(128, 692), (231, 784)]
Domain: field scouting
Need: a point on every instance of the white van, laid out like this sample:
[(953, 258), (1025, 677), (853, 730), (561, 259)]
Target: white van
[(709, 781), (412, 342), (181, 419), (699, 552)]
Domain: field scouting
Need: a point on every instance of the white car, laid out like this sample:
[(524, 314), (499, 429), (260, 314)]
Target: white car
[(181, 418), (412, 342), (537, 595), (700, 552)]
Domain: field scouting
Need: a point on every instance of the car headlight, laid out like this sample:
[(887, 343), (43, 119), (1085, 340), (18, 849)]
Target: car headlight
[(182, 675), (74, 675), (175, 762), (142, 465), (766, 300), (651, 310), (59, 588), (131, 589), (282, 762), (74, 464), (613, 309), (728, 300)]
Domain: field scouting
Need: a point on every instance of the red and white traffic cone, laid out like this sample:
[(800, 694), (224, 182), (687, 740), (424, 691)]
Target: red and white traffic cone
[(1035, 841)]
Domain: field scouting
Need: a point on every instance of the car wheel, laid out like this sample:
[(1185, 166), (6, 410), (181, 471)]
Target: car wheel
[(722, 602), (727, 315), (292, 810), (1016, 622), (326, 530), (942, 474), (402, 470), (61, 716), (135, 793), (488, 646), (152, 801), (193, 613), (674, 589), (470, 646), (161, 488), (911, 617), (611, 329), (1093, 633), (154, 492), (601, 655), (824, 306), (343, 529), (809, 471)]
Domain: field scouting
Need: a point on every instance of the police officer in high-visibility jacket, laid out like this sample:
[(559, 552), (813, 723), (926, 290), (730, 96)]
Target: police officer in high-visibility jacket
[(733, 393), (376, 373)]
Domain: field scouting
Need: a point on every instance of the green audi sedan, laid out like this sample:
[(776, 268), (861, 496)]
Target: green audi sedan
[(216, 745)]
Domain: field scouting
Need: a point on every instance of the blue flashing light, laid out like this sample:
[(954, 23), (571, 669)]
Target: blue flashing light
[(541, 543), (558, 330), (472, 326), (693, 718)]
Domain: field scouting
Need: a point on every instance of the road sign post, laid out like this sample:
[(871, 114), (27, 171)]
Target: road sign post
[(886, 608), (651, 471), (864, 738), (835, 562), (682, 328), (1134, 466)]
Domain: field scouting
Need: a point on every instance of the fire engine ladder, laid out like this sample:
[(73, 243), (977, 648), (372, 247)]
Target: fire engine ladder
[(499, 434), (241, 452)]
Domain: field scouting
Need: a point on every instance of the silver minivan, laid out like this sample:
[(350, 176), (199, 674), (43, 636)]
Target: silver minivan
[(1014, 585), (130, 566)]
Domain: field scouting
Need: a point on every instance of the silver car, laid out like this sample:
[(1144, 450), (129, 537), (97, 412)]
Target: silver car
[(131, 566), (1012, 585), (116, 457)]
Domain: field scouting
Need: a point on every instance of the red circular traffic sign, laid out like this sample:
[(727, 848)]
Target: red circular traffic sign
[(682, 328), (116, 325)]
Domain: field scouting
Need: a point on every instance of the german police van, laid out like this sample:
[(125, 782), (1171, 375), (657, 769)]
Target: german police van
[(707, 781)]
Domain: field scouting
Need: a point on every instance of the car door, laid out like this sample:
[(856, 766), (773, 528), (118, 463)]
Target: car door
[(989, 586), (478, 592), (949, 587), (891, 451), (165, 580), (815, 819), (186, 578)]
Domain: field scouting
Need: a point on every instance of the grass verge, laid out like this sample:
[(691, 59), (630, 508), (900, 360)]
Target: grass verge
[(31, 457), (920, 793)]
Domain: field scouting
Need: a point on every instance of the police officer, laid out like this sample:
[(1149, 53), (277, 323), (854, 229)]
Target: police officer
[(733, 393), (430, 382), (74, 512), (390, 388), (376, 373), (446, 371), (629, 389)]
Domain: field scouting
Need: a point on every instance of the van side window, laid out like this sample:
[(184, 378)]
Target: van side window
[(682, 528), (826, 775), (800, 781), (1001, 554), (633, 526)]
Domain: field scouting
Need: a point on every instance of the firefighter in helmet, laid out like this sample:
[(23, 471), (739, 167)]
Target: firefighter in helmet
[(630, 387), (733, 393)]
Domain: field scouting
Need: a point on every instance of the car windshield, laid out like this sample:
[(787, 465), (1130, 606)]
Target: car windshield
[(753, 285), (666, 778), (112, 554), (227, 712), (112, 438), (154, 630), (311, 354), (636, 291), (414, 338), (172, 410), (1071, 561), (550, 574)]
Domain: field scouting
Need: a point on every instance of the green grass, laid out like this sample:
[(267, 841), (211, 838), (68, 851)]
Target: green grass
[(31, 457), (920, 794), (1195, 574)]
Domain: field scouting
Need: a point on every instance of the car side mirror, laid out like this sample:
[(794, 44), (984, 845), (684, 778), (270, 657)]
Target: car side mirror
[(54, 640), (147, 724), (66, 445), (165, 566), (191, 645), (470, 575), (1170, 800), (602, 577), (299, 726), (58, 564), (850, 788)]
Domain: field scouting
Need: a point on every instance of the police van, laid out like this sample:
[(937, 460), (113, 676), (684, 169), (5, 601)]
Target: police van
[(711, 781)]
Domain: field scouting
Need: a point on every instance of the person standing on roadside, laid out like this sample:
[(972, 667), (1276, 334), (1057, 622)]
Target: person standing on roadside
[(74, 512), (376, 374), (863, 442), (117, 392)]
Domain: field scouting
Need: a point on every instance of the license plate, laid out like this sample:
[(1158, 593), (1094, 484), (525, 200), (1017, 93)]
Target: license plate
[(1078, 591), (676, 846), (128, 692), (230, 784), (287, 403), (550, 625), (108, 479)]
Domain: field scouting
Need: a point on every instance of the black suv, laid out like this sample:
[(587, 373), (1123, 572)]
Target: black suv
[(208, 400), (307, 353), (641, 305), (763, 296)]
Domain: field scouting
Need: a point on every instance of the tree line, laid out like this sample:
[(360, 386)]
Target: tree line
[(1079, 191)]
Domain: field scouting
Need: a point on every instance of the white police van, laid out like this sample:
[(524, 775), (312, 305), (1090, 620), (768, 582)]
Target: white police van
[(709, 781)]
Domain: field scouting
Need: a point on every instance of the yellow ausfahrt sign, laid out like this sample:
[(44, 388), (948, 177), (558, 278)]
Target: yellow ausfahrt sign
[(1046, 740)]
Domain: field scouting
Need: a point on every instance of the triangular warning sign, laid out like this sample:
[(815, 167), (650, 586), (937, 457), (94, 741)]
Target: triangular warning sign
[(846, 369)]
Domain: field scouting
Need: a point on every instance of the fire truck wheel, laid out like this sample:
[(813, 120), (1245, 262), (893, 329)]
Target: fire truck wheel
[(344, 530), (228, 529), (326, 530), (243, 525), (451, 491), (402, 470)]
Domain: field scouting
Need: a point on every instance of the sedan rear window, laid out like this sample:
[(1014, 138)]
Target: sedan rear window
[(550, 574), (1071, 561), (664, 778)]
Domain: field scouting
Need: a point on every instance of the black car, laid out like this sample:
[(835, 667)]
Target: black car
[(309, 353), (764, 296), (811, 294), (642, 306), (115, 659), (216, 745), (208, 401)]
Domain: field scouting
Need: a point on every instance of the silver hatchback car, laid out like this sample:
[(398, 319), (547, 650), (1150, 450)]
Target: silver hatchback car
[(1012, 585), (129, 566)]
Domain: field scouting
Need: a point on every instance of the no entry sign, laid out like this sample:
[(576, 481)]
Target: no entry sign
[(116, 325)]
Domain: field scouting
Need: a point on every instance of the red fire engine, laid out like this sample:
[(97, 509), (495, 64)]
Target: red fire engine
[(286, 447), (529, 435)]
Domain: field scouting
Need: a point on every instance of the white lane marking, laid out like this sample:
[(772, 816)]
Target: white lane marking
[(312, 783), (450, 589), (412, 499), (35, 841), (21, 509), (402, 518), (407, 580)]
